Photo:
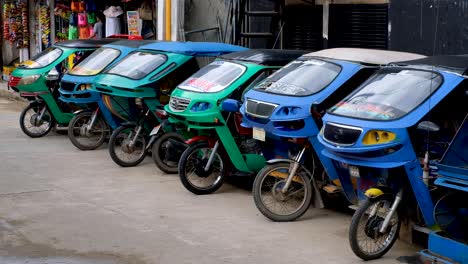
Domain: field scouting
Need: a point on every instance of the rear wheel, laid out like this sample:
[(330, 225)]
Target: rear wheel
[(84, 138), (165, 155), (192, 171), (36, 121), (367, 242), (123, 151), (272, 202)]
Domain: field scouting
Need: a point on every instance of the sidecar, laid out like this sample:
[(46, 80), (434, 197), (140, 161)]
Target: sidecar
[(287, 107), (76, 83), (377, 132)]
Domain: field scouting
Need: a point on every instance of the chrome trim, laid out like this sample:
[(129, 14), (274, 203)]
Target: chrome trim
[(180, 103), (343, 126), (259, 102)]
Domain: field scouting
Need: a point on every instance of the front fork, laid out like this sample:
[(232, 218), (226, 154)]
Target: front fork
[(93, 119), (138, 129), (391, 212), (212, 154), (293, 167)]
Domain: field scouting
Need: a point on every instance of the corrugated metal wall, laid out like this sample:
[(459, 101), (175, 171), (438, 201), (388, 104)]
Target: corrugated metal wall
[(414, 25)]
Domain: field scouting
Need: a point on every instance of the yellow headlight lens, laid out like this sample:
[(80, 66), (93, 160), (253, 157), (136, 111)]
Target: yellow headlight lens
[(84, 87), (374, 137)]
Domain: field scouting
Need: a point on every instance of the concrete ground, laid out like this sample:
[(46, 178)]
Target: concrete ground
[(62, 205)]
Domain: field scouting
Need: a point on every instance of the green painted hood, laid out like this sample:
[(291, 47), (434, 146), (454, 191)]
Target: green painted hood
[(214, 99)]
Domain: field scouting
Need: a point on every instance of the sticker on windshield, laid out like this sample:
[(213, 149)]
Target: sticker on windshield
[(285, 88), (314, 62)]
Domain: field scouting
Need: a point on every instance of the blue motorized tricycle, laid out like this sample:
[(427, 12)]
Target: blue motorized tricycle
[(91, 124), (285, 110), (385, 137)]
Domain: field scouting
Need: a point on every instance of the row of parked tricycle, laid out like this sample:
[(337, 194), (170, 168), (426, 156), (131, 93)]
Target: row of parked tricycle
[(385, 129)]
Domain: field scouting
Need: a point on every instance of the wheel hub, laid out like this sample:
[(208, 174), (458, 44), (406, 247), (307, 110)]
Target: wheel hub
[(373, 226), (35, 121), (200, 170), (277, 191), (126, 147)]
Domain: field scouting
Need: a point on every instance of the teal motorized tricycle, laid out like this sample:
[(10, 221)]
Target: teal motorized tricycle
[(92, 123), (38, 80), (208, 102), (145, 78), (286, 109), (387, 136)]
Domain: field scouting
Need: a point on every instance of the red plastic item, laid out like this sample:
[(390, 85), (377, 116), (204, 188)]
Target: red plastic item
[(243, 131), (123, 36)]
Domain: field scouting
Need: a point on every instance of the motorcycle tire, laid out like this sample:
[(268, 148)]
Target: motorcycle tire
[(303, 178), (159, 155), (84, 117), (186, 160), (36, 109), (370, 226), (113, 148)]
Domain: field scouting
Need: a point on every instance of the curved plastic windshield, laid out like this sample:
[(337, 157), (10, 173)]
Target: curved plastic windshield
[(137, 65), (96, 62), (43, 59), (389, 94), (214, 77), (301, 78)]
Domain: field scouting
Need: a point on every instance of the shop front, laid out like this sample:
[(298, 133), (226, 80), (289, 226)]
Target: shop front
[(30, 26)]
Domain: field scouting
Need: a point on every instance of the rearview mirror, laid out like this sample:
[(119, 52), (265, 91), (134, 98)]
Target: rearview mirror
[(230, 105), (428, 126)]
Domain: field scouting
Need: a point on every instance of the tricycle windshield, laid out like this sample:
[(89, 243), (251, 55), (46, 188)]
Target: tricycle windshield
[(301, 78), (138, 64), (389, 94), (96, 62), (43, 59), (214, 77)]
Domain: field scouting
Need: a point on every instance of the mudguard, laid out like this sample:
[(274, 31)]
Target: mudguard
[(83, 110), (380, 191), (211, 141), (129, 124)]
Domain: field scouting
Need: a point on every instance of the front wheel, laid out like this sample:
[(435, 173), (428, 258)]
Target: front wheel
[(366, 241), (84, 138), (166, 155), (192, 171), (275, 204), (36, 121), (125, 148)]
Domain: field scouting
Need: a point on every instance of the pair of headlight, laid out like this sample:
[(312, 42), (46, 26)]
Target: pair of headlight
[(84, 87), (374, 137), (200, 107)]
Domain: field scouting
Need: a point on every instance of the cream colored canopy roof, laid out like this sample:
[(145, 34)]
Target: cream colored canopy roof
[(369, 56)]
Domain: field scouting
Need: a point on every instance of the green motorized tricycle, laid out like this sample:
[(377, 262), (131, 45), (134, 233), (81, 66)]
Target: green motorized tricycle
[(208, 102), (139, 86), (38, 80)]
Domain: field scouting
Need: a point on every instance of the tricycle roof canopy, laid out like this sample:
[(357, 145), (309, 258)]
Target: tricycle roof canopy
[(88, 43), (267, 57), (453, 63), (209, 49), (131, 43), (366, 56)]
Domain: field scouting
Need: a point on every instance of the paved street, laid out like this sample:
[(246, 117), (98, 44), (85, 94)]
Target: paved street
[(62, 205)]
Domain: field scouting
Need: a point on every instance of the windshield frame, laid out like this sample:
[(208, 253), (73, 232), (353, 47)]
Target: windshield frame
[(103, 69), (244, 70), (303, 59), (401, 68), (147, 75), (25, 67)]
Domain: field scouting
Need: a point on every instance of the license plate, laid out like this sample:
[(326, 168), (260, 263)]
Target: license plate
[(354, 171), (258, 133), (155, 130)]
